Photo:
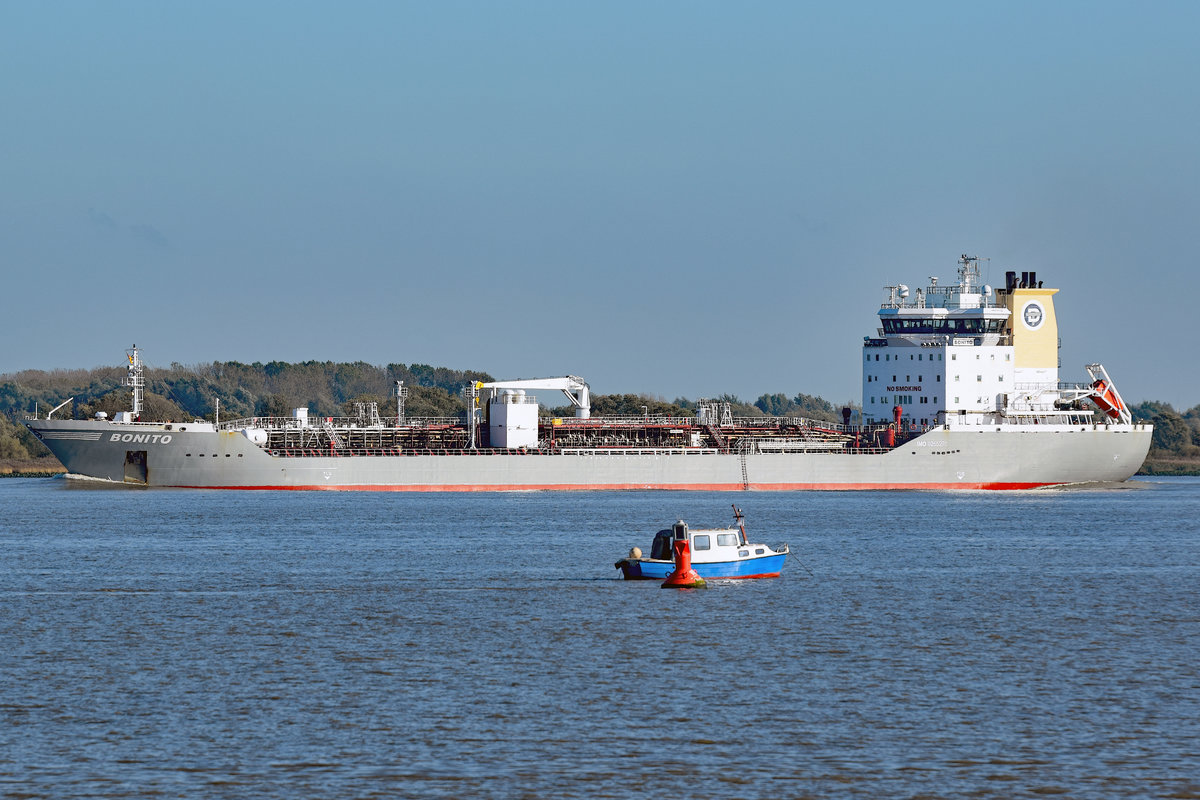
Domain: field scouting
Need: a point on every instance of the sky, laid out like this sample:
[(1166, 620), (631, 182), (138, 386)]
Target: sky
[(681, 199)]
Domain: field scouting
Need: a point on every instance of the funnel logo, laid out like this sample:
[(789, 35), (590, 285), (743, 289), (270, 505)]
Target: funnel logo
[(1033, 316)]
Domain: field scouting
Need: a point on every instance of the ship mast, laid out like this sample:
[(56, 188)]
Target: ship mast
[(968, 274), (134, 380)]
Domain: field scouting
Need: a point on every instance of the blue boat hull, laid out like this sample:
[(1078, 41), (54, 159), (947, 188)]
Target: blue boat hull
[(653, 569)]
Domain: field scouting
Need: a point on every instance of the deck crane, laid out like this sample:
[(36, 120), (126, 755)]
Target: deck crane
[(576, 390), (512, 416)]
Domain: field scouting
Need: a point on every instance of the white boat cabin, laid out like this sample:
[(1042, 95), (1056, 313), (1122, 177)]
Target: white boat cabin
[(722, 544)]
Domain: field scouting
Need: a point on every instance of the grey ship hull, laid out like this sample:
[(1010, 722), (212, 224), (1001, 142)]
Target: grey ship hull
[(997, 457)]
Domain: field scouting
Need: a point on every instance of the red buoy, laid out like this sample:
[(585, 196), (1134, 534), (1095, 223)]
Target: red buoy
[(684, 577)]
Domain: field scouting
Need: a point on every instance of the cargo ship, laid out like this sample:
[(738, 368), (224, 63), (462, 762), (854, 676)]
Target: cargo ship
[(960, 390)]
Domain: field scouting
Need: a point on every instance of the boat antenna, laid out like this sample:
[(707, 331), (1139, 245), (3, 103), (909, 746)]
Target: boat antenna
[(741, 523)]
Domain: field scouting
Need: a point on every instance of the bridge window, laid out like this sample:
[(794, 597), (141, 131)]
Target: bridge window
[(942, 325)]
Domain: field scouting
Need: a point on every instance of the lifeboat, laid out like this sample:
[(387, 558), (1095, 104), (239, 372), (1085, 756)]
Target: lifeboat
[(1106, 398)]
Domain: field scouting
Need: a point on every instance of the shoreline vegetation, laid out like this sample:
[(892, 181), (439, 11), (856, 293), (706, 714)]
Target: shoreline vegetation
[(44, 467), (327, 388)]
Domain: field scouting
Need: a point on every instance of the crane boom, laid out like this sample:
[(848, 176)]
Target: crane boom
[(575, 388)]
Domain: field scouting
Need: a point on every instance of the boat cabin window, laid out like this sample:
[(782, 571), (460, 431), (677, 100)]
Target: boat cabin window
[(661, 548), (743, 553), (702, 541), (759, 551), (727, 540)]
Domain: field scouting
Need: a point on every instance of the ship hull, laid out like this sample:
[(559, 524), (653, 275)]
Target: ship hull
[(998, 458)]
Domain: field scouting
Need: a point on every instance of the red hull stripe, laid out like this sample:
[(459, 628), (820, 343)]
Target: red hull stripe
[(568, 487)]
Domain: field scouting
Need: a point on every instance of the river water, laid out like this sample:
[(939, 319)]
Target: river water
[(162, 643)]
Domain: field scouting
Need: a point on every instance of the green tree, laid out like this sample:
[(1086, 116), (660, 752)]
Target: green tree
[(11, 446), (274, 405), (774, 405)]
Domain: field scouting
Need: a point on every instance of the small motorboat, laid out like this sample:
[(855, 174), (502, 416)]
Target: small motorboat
[(717, 553)]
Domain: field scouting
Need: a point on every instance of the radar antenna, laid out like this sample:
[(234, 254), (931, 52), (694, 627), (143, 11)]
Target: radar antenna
[(968, 273)]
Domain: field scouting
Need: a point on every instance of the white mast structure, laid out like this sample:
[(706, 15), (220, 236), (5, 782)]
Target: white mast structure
[(135, 381)]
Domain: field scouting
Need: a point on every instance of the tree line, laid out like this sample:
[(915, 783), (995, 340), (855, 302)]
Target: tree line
[(1175, 446)]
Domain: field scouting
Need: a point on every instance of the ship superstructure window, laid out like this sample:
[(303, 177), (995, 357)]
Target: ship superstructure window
[(942, 325), (702, 541), (727, 539)]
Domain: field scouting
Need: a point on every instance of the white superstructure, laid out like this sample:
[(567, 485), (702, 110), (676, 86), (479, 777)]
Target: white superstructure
[(971, 355)]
